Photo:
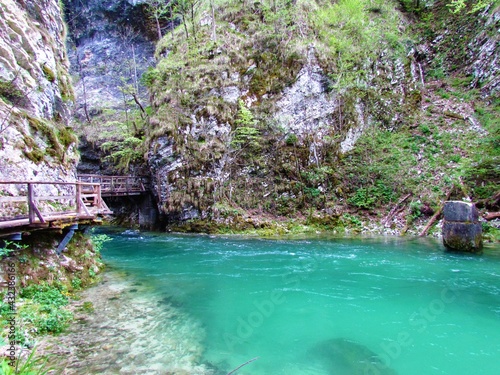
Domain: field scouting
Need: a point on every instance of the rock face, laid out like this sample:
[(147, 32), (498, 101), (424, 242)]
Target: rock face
[(35, 93), (461, 229), (109, 50), (484, 52), (262, 133)]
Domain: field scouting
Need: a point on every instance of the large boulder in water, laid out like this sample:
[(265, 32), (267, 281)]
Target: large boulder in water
[(345, 357), (461, 229)]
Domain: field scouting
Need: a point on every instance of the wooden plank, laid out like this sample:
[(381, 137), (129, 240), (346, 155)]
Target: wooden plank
[(14, 223), (54, 197), (13, 199), (39, 214), (82, 206), (45, 183), (33, 209)]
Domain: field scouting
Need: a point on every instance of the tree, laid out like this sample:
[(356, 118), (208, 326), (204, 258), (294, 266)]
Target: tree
[(159, 9), (188, 11), (245, 134), (457, 6)]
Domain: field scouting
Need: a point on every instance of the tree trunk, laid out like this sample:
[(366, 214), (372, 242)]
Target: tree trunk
[(214, 35), (158, 27), (185, 26)]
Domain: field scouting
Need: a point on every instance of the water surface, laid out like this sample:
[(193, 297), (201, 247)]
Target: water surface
[(317, 306)]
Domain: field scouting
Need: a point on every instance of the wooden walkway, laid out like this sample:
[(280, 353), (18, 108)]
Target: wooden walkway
[(117, 186), (26, 205)]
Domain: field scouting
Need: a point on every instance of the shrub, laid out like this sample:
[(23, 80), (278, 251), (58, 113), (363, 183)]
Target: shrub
[(291, 139), (45, 308)]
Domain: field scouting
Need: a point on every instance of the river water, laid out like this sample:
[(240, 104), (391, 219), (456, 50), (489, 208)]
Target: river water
[(181, 304)]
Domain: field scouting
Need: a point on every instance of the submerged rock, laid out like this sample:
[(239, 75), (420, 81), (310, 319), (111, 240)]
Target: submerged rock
[(341, 356)]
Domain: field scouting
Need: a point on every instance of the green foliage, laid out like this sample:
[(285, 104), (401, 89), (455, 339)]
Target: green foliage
[(45, 311), (10, 247), (30, 366), (291, 139), (88, 307), (372, 196), (457, 6), (351, 222), (490, 233), (45, 294), (481, 170), (58, 138), (67, 136), (98, 241), (412, 5), (49, 73), (355, 31), (159, 10), (76, 283), (245, 134), (415, 210), (149, 77), (125, 152), (9, 91), (36, 155)]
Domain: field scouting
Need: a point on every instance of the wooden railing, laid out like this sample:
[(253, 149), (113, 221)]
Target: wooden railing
[(29, 203), (117, 185)]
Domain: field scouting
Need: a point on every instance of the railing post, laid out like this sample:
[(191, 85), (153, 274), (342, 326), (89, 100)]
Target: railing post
[(78, 196), (32, 208), (98, 198), (31, 204)]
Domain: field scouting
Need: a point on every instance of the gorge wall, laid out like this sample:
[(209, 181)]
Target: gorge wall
[(259, 121), (110, 46), (266, 109), (36, 95), (321, 112)]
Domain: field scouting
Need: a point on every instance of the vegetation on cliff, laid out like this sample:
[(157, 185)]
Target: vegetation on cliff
[(423, 127)]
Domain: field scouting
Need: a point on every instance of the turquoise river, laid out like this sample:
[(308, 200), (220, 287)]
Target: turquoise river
[(206, 305)]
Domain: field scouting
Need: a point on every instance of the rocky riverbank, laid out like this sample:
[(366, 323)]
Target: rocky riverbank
[(120, 327)]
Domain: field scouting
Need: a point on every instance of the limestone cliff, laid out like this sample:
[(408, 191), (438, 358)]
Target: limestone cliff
[(36, 142), (110, 45), (260, 117), (323, 110), (109, 48)]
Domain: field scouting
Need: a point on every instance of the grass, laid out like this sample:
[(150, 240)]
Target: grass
[(45, 311), (32, 365)]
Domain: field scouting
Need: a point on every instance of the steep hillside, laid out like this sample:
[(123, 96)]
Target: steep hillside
[(333, 114), (35, 94), (256, 113)]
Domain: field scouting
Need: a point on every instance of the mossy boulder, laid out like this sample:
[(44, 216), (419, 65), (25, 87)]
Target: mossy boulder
[(461, 228)]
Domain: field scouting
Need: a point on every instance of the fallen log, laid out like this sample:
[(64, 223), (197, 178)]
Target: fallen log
[(492, 216), (435, 216), (395, 210)]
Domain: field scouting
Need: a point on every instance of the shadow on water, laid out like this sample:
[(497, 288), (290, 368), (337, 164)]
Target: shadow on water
[(341, 356)]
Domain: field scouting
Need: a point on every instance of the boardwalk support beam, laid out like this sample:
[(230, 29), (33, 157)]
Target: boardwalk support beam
[(66, 239)]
